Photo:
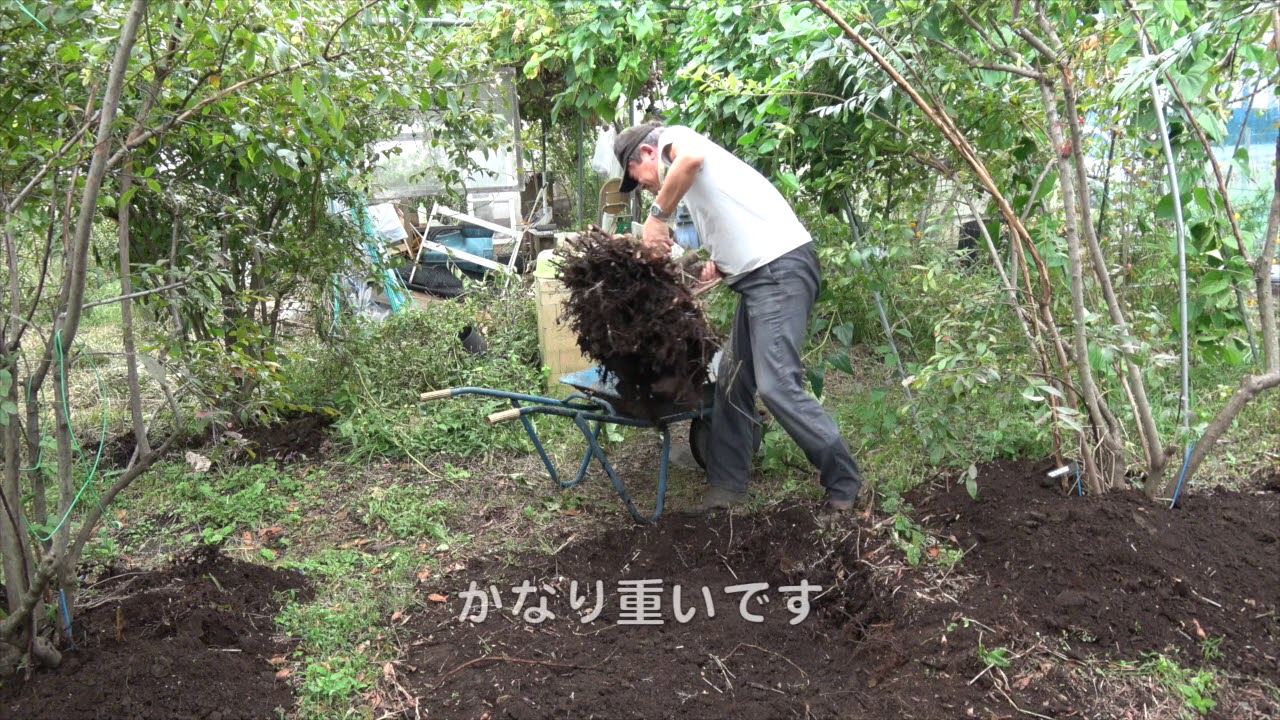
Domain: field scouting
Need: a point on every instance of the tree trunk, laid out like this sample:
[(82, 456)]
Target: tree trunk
[(126, 318), (1097, 478), (1262, 272), (1137, 386), (13, 529), (71, 301), (1249, 389)]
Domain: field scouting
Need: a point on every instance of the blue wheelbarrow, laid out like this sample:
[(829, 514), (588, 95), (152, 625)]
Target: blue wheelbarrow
[(597, 403)]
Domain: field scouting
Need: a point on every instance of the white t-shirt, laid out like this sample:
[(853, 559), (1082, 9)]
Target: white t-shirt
[(742, 219)]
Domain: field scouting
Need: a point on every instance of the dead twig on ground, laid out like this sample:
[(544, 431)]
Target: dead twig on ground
[(723, 671), (1014, 705), (521, 661), (764, 650)]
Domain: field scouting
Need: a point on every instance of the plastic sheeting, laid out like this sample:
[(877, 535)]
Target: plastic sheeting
[(604, 161)]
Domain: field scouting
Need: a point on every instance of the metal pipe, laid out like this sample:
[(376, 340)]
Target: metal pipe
[(875, 294), (1180, 225), (582, 182)]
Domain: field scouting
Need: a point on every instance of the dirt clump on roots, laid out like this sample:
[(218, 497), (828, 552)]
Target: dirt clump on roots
[(1049, 586), (638, 318), (191, 641)]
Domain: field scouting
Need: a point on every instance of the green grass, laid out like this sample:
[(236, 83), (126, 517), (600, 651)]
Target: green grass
[(340, 631), (407, 512), (1195, 688), (237, 498)]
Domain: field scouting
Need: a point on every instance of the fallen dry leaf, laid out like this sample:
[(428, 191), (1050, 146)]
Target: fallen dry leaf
[(198, 463), (1200, 633), (424, 573), (278, 660), (436, 597), (283, 674)]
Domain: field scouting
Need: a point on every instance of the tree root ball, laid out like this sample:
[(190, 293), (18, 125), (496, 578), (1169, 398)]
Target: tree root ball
[(638, 318)]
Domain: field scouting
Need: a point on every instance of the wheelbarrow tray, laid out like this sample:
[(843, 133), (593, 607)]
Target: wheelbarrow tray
[(596, 383)]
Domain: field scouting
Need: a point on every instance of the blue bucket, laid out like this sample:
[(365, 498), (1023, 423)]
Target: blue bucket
[(478, 246), (686, 233), (470, 231)]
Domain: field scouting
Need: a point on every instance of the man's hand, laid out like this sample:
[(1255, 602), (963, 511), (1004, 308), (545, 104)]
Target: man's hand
[(657, 237), (710, 272)]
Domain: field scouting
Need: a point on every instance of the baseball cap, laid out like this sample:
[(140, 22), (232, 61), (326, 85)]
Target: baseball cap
[(627, 142)]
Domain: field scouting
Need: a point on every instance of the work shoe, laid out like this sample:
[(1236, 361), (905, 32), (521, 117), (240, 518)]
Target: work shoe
[(860, 502), (716, 498)]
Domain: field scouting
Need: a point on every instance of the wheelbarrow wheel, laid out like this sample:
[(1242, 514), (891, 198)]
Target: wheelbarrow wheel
[(700, 437)]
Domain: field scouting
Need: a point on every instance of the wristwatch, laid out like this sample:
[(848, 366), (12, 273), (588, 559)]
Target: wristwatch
[(656, 211)]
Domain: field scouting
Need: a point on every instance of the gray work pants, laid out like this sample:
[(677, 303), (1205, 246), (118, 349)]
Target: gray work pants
[(763, 355)]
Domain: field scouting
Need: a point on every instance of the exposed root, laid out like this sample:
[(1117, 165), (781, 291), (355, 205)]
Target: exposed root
[(639, 318)]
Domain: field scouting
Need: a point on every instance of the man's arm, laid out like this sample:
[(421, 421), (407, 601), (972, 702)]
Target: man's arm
[(686, 163)]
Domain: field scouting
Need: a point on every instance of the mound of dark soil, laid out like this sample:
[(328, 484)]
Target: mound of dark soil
[(295, 438), (193, 641), (566, 667), (1119, 572), (1046, 577)]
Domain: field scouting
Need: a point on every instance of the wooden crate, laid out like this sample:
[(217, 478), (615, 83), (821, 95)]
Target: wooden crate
[(557, 343)]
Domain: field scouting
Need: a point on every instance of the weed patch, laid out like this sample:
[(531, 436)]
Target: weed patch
[(407, 512)]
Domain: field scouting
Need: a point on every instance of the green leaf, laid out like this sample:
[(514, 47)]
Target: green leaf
[(840, 361), (817, 381), (844, 333), (1215, 286)]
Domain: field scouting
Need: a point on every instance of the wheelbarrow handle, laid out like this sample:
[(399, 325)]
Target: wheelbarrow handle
[(503, 416), (436, 394)]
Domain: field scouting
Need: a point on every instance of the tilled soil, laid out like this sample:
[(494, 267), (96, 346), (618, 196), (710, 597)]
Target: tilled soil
[(190, 642), (1122, 573), (294, 439), (1046, 581)]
